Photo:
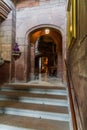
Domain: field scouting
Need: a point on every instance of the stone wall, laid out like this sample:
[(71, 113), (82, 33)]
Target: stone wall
[(13, 36), (28, 18), (7, 37), (77, 59)]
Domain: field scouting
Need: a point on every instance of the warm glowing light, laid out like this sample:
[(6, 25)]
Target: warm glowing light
[(47, 31), (70, 28)]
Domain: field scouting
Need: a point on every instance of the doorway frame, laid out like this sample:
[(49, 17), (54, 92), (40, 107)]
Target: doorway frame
[(57, 28)]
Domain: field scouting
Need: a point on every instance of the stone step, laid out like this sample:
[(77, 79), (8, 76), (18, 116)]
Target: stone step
[(32, 106), (30, 123), (18, 94), (49, 91), (46, 101), (28, 86), (7, 127), (46, 105), (35, 90), (36, 114)]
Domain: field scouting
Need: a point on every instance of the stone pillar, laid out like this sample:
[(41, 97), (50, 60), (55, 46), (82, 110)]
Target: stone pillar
[(59, 69), (32, 60), (40, 68)]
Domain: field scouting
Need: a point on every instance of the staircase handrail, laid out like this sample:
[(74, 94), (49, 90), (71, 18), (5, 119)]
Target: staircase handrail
[(74, 123)]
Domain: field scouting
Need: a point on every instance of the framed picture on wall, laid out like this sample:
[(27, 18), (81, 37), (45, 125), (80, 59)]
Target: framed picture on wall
[(71, 21)]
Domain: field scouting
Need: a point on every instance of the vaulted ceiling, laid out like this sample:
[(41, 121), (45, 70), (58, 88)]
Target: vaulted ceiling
[(54, 36)]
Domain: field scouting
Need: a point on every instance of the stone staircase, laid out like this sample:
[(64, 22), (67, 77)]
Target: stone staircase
[(34, 107)]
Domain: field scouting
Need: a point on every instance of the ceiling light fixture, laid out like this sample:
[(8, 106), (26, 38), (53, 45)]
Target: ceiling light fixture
[(47, 31)]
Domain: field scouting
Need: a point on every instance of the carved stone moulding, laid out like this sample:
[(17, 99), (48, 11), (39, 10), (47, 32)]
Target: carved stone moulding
[(4, 9)]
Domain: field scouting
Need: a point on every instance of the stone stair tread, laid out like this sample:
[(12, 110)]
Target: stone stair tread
[(41, 107), (17, 94), (32, 106), (33, 123), (27, 86)]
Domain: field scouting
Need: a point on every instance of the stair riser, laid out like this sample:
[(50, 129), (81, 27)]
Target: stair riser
[(52, 92), (38, 91), (32, 104), (36, 114), (53, 102)]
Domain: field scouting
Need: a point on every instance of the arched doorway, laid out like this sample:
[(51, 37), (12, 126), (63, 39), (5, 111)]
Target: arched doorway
[(45, 56), (44, 53)]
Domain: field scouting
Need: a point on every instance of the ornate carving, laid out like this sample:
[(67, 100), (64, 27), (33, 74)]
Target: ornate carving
[(4, 9)]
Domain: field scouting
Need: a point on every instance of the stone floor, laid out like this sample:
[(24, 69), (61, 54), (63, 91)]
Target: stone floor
[(44, 79)]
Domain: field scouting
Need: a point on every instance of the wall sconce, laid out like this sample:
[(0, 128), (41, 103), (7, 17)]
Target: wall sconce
[(47, 31), (71, 28), (16, 51)]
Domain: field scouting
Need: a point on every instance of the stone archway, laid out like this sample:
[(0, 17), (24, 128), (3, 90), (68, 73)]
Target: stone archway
[(32, 36)]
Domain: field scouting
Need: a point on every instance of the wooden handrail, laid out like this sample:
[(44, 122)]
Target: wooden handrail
[(74, 123)]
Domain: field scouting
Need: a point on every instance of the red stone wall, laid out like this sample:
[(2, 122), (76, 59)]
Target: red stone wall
[(27, 3), (4, 72), (13, 41), (32, 58), (29, 19), (77, 59), (7, 39), (30, 3), (20, 65), (60, 65)]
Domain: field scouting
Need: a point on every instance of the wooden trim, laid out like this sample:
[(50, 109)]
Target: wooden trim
[(71, 22), (74, 123)]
